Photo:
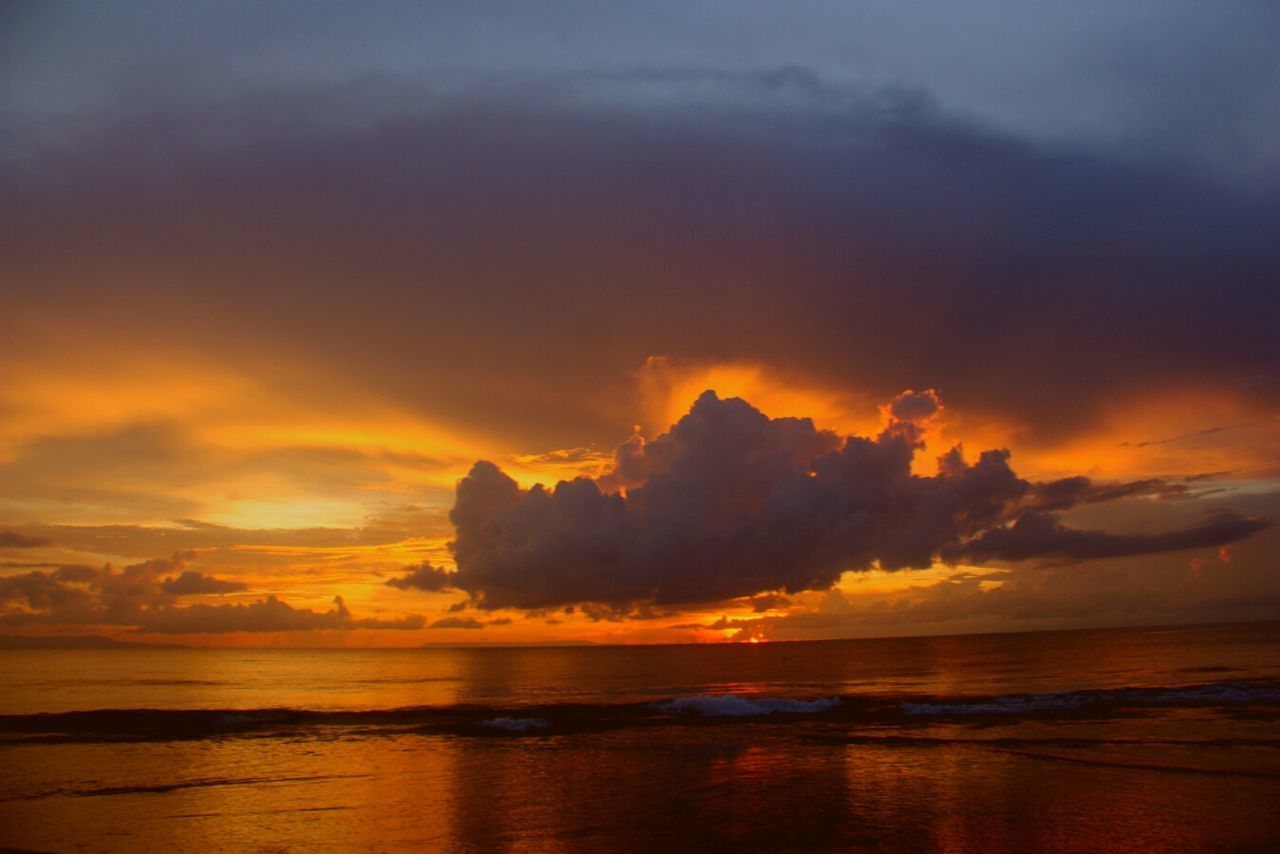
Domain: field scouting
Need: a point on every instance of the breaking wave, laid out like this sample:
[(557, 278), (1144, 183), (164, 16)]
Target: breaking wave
[(852, 710)]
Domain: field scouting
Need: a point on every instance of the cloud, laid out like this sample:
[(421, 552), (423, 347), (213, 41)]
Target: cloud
[(43, 597), (143, 596), (914, 406), (457, 623), (142, 540), (198, 525), (424, 577), (1147, 443), (468, 623), (265, 615), (14, 540), (1041, 535), (77, 574), (731, 503), (1098, 592), (192, 582), (767, 602), (1069, 492), (1072, 247)]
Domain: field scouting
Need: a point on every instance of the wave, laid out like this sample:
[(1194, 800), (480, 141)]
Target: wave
[(164, 788), (731, 705), (116, 725), (516, 724), (1165, 767), (1208, 694)]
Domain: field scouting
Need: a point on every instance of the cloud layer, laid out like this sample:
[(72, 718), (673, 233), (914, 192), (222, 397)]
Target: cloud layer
[(867, 238)]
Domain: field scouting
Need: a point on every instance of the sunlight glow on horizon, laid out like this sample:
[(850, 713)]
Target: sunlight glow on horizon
[(240, 438)]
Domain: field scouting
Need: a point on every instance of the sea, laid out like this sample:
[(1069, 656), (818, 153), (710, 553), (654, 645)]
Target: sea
[(1161, 739)]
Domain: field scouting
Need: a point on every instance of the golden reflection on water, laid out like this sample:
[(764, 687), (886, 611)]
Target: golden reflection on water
[(238, 795), (698, 787), (969, 798)]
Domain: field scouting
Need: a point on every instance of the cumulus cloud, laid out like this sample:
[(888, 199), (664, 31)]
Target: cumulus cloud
[(916, 407), (731, 503), (144, 596), (423, 577)]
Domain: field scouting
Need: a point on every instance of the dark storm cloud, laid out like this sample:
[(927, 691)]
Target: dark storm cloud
[(866, 238), (423, 577), (142, 596), (731, 503), (14, 540)]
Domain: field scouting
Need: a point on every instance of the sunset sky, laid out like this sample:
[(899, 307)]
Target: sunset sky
[(299, 308)]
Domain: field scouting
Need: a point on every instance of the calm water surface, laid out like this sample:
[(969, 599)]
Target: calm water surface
[(1162, 739)]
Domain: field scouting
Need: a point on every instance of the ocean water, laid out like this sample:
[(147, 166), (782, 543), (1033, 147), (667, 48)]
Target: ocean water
[(1133, 739)]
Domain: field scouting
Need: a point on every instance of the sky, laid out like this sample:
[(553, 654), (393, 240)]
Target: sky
[(337, 324)]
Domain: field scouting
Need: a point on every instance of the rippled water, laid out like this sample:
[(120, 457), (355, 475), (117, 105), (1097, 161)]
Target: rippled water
[(1166, 738)]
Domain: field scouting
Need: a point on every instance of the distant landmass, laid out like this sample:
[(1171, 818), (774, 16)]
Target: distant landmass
[(77, 642)]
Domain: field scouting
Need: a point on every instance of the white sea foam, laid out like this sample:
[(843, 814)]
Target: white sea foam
[(712, 705), (516, 724)]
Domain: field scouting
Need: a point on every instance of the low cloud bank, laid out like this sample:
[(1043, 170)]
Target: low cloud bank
[(146, 596)]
